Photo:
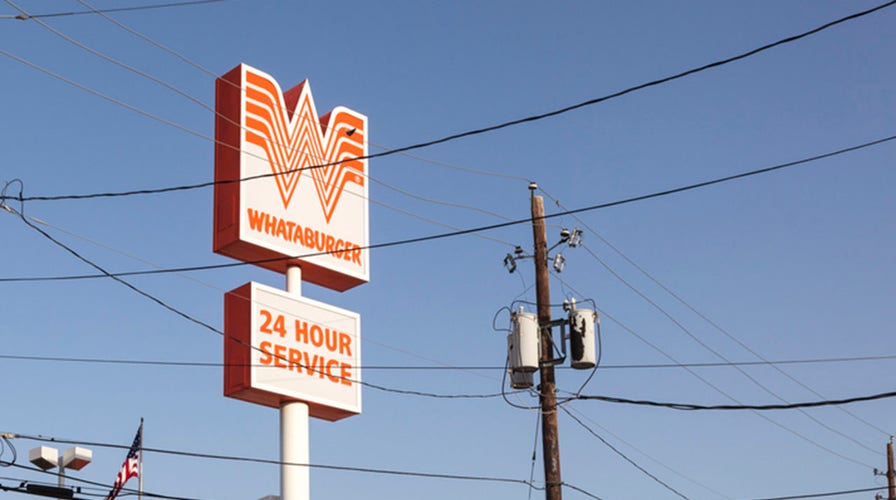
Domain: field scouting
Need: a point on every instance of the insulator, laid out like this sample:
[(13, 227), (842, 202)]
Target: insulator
[(510, 263), (523, 342), (559, 262), (581, 338)]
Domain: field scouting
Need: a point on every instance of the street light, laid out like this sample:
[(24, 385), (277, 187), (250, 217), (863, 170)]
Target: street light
[(46, 458)]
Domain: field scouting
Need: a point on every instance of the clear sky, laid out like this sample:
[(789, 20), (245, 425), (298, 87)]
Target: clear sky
[(795, 264)]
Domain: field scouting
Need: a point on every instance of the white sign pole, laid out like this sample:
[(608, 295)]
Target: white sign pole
[(295, 481)]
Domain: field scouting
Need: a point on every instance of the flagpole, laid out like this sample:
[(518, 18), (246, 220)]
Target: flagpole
[(140, 475)]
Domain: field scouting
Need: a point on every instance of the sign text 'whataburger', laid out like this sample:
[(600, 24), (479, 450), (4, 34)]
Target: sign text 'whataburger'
[(290, 183)]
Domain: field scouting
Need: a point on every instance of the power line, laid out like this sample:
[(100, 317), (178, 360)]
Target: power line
[(95, 483), (718, 354), (825, 494), (272, 307), (25, 17), (718, 389), (460, 232), (647, 455), (234, 458), (697, 407), (211, 73), (211, 328), (703, 316), (479, 131), (203, 136), (643, 366), (623, 455)]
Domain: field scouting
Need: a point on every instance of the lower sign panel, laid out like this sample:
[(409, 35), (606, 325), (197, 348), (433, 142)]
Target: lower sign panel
[(280, 348)]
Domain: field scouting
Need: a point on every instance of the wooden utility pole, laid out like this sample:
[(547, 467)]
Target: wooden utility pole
[(891, 474), (548, 388)]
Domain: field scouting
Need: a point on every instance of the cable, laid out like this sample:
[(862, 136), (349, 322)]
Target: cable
[(107, 247), (95, 483), (647, 455), (698, 313), (220, 332), (102, 13), (580, 490), (209, 108), (492, 128), (534, 452), (657, 366), (23, 17), (6, 443), (235, 458), (200, 135), (626, 458), (209, 72), (696, 407), (214, 111), (719, 390), (716, 353), (461, 232), (825, 494)]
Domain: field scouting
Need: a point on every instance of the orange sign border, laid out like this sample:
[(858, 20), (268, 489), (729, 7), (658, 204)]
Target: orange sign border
[(238, 380), (228, 205)]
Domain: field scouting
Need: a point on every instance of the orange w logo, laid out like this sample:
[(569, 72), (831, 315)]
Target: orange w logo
[(286, 127)]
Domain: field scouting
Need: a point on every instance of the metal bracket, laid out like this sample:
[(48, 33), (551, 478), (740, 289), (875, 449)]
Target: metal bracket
[(563, 336)]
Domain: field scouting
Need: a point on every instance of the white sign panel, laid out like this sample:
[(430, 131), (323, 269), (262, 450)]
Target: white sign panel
[(281, 347), (307, 197)]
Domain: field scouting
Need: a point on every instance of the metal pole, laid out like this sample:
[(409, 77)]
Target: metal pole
[(294, 480), (61, 471), (891, 474), (550, 437), (140, 464)]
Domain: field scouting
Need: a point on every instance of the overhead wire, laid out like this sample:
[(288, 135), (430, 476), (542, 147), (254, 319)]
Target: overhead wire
[(588, 494), (367, 339), (623, 455), (738, 407), (211, 73), (442, 164), (235, 458), (23, 17), (717, 353), (126, 490), (214, 111), (719, 390), (534, 452), (492, 128), (647, 366), (489, 227), (206, 137), (824, 494), (213, 329), (645, 454), (693, 309), (4, 444)]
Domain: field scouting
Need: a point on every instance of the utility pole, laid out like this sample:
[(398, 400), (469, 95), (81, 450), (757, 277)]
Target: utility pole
[(891, 474), (548, 387)]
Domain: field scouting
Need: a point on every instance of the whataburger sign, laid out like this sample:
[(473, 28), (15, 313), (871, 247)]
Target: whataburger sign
[(308, 195), (290, 189), (283, 348)]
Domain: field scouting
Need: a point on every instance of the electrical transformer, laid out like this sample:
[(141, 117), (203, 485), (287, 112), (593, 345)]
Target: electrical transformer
[(581, 338), (523, 342)]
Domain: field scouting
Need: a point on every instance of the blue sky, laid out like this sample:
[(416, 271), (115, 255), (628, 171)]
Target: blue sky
[(794, 264)]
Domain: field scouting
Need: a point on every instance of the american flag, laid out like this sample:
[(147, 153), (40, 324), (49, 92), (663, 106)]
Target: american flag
[(131, 466)]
